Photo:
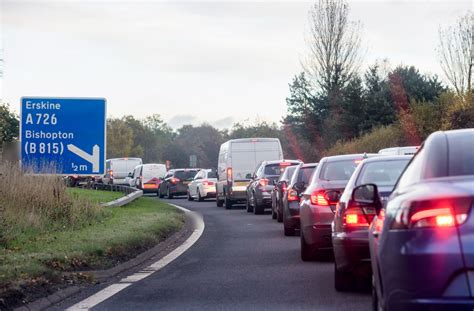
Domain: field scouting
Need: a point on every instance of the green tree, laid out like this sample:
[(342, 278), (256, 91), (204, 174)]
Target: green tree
[(352, 107), (119, 139), (9, 124)]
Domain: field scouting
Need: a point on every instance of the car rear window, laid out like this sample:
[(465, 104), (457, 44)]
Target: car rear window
[(275, 169), (212, 174), (288, 173), (382, 173), (304, 174), (338, 170), (461, 155), (185, 175)]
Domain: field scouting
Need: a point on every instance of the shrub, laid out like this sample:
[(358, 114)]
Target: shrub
[(34, 203)]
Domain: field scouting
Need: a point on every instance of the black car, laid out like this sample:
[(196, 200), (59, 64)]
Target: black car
[(292, 196), (421, 243), (176, 182), (262, 183), (350, 238), (279, 190)]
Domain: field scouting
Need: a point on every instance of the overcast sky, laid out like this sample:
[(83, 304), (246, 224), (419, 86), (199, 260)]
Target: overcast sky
[(193, 61)]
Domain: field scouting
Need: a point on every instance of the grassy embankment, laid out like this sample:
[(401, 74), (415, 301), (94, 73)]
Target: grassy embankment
[(47, 229)]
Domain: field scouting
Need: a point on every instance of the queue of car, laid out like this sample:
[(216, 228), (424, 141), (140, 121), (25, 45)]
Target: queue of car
[(400, 220)]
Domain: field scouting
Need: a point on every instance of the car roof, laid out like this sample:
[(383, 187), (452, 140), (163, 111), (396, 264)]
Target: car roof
[(280, 161), (310, 164), (348, 156), (381, 158)]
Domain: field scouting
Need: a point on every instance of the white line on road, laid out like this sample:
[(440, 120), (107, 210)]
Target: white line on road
[(113, 289)]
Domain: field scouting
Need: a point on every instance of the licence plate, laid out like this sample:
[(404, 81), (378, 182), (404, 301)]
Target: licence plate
[(185, 182), (241, 184)]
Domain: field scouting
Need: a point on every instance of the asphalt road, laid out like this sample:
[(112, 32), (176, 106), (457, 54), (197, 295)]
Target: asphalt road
[(242, 261)]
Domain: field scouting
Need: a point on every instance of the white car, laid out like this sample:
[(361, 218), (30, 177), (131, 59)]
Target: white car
[(147, 177), (203, 185)]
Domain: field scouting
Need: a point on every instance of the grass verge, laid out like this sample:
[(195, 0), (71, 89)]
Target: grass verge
[(95, 196), (33, 264)]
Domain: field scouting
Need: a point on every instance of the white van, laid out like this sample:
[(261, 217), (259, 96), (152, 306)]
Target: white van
[(409, 150), (117, 170), (147, 177), (238, 159)]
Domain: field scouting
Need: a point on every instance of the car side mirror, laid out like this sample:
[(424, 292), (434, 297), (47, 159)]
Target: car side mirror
[(248, 176), (332, 196), (130, 174), (367, 195)]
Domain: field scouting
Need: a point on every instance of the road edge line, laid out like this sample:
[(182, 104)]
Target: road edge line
[(113, 289)]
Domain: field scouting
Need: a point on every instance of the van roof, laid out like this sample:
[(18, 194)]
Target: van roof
[(255, 139), (124, 158)]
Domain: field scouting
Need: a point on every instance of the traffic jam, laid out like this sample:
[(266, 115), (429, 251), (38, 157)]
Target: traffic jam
[(398, 221)]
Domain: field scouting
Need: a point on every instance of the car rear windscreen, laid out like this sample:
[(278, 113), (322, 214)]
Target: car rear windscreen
[(304, 174), (212, 174), (276, 169), (153, 171), (461, 155), (338, 170), (288, 173), (185, 175), (382, 173)]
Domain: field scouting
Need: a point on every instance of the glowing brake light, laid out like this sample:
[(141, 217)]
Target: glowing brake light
[(285, 163), (317, 198), (355, 217), (175, 180), (229, 174), (263, 182), (437, 213), (207, 183), (357, 161), (293, 195)]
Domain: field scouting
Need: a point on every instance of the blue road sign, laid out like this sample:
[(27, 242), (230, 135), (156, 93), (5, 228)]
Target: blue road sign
[(64, 136)]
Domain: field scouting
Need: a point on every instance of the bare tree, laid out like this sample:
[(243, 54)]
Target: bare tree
[(334, 45), (456, 53)]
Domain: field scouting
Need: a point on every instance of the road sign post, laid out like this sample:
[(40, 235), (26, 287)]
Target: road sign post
[(64, 136)]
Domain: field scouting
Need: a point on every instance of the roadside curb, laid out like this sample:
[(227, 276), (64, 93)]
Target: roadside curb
[(192, 223), (124, 200)]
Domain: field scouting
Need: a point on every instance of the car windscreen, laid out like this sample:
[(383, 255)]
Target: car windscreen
[(275, 169), (461, 155), (382, 173), (304, 174), (338, 170), (185, 175), (212, 174)]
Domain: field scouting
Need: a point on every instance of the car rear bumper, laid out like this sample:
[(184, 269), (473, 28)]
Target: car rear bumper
[(352, 253)]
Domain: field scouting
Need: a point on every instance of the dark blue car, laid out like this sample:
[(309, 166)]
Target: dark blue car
[(422, 243)]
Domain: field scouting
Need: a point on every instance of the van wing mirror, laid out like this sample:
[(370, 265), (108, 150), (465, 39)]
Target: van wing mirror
[(367, 195), (248, 176), (299, 186), (130, 174)]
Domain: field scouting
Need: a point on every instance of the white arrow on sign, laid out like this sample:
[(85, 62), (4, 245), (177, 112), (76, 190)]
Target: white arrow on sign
[(93, 158)]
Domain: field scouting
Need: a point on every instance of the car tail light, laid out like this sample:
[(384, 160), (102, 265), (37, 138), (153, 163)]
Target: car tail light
[(284, 187), (263, 182), (356, 217), (111, 173), (293, 195), (229, 174), (207, 183), (175, 180), (318, 198), (285, 164), (437, 213)]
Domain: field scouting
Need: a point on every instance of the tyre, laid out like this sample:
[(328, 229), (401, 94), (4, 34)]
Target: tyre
[(227, 203), (279, 216), (307, 254), (219, 202), (274, 215), (160, 195), (289, 231), (257, 209), (343, 281), (168, 194), (249, 207), (200, 198), (190, 198)]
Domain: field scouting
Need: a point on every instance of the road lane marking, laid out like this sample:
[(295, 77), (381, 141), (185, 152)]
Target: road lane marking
[(113, 289)]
